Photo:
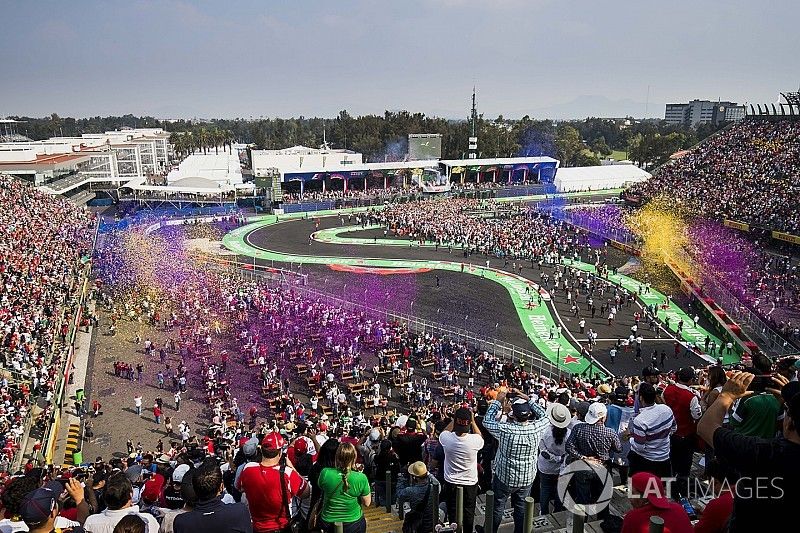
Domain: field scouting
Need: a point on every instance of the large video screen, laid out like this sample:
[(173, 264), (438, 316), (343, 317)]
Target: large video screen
[(423, 146)]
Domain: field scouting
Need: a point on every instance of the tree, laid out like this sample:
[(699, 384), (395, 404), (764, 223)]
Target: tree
[(586, 158), (599, 146), (568, 144)]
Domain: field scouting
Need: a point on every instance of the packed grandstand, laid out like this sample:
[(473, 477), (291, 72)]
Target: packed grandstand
[(232, 393)]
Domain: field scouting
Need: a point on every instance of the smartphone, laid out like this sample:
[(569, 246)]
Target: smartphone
[(687, 506), (760, 383)]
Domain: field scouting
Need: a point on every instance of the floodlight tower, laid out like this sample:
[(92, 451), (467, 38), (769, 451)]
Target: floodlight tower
[(473, 140)]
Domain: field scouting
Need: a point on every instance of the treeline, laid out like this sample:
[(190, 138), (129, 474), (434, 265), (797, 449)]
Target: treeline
[(384, 137)]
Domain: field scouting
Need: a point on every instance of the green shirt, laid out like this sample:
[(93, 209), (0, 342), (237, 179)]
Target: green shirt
[(757, 416), (338, 505)]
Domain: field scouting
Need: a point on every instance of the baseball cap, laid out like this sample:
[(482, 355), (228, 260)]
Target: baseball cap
[(133, 473), (250, 447), (375, 435), (273, 441), (521, 409), (462, 420), (582, 409), (411, 424), (651, 487), (301, 446), (180, 471), (559, 415), (151, 491), (37, 505), (596, 412)]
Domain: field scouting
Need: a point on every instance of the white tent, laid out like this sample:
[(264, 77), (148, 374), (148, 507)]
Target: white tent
[(569, 179), (222, 168)]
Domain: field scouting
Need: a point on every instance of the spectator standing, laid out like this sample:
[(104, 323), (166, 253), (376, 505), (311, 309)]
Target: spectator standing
[(650, 433), (552, 452), (685, 404), (210, 514), (118, 497), (758, 415), (517, 449), (593, 443), (344, 491), (768, 488), (461, 441), (271, 485)]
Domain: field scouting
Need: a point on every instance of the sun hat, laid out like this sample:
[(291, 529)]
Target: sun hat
[(559, 415), (418, 469)]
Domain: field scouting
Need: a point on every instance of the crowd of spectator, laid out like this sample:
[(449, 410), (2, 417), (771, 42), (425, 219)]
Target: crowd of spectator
[(746, 173), (42, 241)]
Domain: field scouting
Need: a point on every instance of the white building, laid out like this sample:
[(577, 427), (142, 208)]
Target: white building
[(596, 178), (299, 159), (73, 165)]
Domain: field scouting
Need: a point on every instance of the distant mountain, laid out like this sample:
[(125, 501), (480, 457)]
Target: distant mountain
[(595, 106)]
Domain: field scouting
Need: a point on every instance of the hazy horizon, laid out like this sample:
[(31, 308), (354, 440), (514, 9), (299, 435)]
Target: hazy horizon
[(247, 59)]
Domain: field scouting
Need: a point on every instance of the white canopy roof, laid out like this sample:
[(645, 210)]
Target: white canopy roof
[(596, 178)]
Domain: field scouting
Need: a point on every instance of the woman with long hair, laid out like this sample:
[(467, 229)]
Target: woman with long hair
[(344, 491), (326, 458), (716, 379), (552, 451)]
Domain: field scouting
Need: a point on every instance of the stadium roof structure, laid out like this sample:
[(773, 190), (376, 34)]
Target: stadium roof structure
[(569, 179), (500, 161), (192, 185)]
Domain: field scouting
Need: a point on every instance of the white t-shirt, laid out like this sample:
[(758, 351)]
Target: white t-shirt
[(107, 520), (461, 457), (7, 526)]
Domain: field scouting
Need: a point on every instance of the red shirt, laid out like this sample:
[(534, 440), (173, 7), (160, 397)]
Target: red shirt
[(675, 519), (260, 485), (715, 517)]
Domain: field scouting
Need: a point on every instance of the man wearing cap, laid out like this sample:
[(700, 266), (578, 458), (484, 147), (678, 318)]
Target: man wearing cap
[(118, 495), (766, 495), (416, 489), (591, 442), (270, 486), (172, 494), (39, 508), (647, 499), (461, 449), (685, 404), (517, 451)]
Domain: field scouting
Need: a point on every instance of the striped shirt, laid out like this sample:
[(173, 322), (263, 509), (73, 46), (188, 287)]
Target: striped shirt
[(518, 444), (650, 431)]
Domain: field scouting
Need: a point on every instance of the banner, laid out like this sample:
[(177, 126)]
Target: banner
[(788, 237), (741, 226)]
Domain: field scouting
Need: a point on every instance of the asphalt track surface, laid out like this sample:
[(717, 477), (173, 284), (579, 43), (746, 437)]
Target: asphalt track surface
[(459, 300)]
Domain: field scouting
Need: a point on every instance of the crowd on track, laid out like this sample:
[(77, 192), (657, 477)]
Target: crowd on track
[(354, 410), (43, 240)]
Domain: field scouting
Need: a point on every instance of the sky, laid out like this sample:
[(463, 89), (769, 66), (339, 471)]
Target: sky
[(249, 58)]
